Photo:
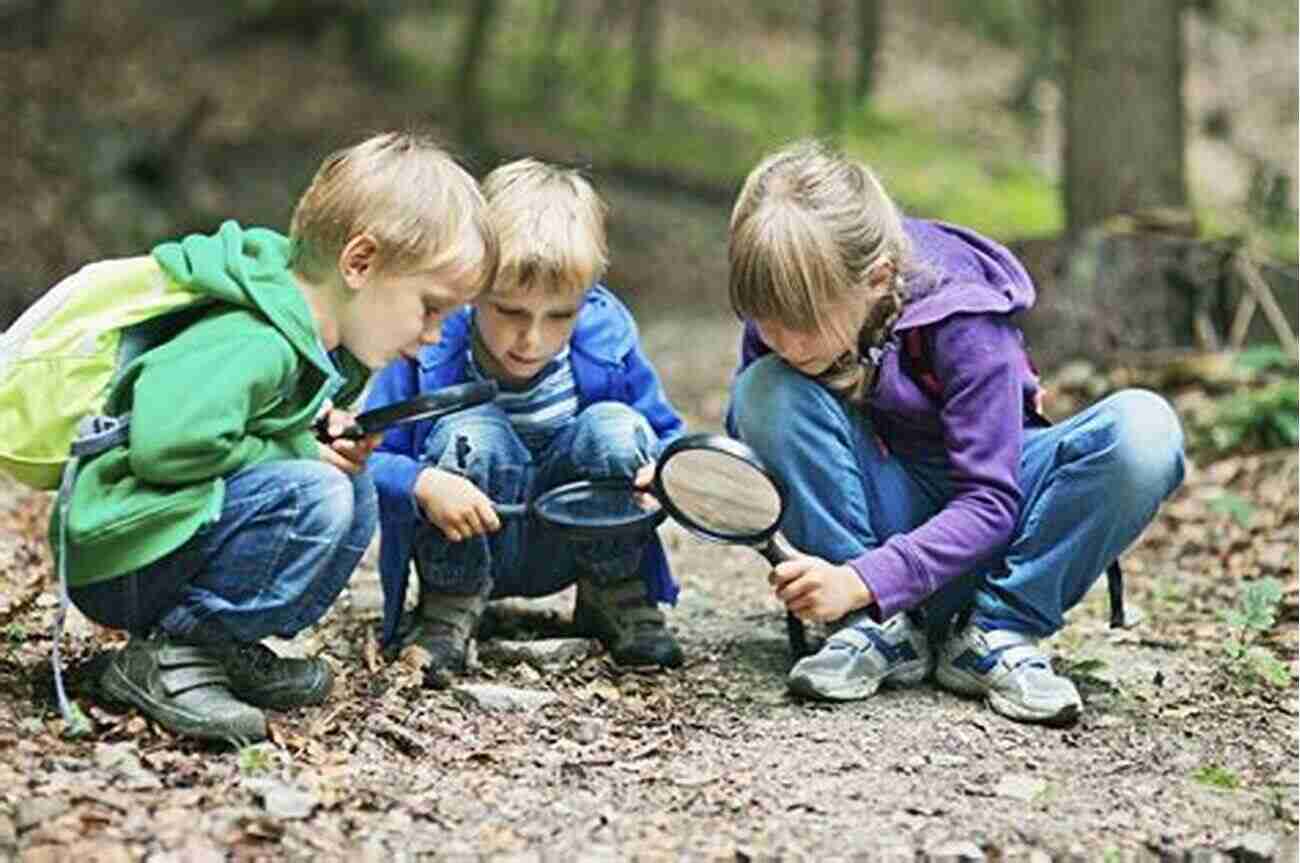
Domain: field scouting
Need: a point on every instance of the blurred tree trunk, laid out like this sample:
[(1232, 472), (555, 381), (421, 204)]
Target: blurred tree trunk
[(1040, 42), (640, 109), (473, 128), (868, 47), (546, 64), (1124, 136), (830, 109)]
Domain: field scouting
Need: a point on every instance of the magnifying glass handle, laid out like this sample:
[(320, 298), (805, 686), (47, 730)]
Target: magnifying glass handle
[(778, 549), (510, 510)]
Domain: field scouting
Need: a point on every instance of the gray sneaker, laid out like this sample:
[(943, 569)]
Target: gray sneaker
[(629, 624), (1009, 670), (860, 656), (184, 688), (262, 678)]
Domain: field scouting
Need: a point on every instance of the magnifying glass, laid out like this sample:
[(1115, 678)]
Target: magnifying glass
[(591, 509), (714, 486), (426, 406), (718, 489)]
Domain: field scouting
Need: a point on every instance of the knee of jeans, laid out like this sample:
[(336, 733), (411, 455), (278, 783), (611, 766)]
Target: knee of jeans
[(472, 441), (612, 439), (1148, 440), (766, 398), (326, 501)]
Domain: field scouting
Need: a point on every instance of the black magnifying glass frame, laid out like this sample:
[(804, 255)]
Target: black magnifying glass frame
[(432, 405), (549, 509)]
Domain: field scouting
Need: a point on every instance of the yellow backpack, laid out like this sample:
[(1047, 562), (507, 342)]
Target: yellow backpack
[(59, 360)]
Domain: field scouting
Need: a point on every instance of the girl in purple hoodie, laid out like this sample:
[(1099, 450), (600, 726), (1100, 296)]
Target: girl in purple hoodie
[(945, 523)]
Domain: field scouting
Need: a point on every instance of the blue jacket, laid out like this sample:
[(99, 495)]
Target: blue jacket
[(608, 365)]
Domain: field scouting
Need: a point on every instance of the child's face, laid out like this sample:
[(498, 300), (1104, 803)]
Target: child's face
[(810, 352), (521, 332), (396, 315)]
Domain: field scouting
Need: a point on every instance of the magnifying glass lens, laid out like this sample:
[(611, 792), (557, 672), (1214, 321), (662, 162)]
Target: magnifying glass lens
[(721, 494)]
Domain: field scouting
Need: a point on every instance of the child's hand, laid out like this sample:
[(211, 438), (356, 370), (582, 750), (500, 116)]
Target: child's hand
[(816, 590), (345, 454), (455, 505), (644, 477)]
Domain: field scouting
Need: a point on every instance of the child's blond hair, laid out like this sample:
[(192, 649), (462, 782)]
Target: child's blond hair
[(422, 209), (808, 231), (551, 226)]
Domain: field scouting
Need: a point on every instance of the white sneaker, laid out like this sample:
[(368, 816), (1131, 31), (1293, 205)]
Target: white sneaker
[(1009, 670), (860, 656)]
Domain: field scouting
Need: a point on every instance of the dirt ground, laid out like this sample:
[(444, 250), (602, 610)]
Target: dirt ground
[(1179, 755)]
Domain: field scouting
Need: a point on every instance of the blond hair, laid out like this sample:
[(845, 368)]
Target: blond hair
[(808, 231), (422, 209), (551, 225)]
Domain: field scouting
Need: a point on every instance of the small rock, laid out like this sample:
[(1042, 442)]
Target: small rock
[(282, 801), (942, 759), (543, 654), (1252, 848), (502, 699), (121, 760), (193, 851), (37, 810), (587, 731), (956, 852), (1018, 786)]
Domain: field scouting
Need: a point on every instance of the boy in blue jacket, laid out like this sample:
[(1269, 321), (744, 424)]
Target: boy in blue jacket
[(579, 401)]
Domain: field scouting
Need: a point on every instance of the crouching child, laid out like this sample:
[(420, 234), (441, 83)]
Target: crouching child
[(578, 401)]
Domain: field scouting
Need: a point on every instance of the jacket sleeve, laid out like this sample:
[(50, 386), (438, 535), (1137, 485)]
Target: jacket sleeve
[(645, 392), (394, 463), (181, 435), (977, 359)]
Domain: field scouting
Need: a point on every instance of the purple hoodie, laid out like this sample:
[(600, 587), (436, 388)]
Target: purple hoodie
[(962, 289)]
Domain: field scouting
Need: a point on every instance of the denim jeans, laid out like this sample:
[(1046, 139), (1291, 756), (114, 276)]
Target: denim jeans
[(1090, 485), (289, 537), (524, 558)]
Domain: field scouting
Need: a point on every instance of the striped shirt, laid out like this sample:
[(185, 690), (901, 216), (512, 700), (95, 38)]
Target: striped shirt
[(540, 411)]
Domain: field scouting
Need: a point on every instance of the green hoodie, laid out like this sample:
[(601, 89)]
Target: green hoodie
[(239, 387)]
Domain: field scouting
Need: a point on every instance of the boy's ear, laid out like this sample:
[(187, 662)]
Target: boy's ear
[(357, 260)]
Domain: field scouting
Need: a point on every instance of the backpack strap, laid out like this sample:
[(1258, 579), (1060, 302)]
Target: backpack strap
[(95, 434), (916, 347), (918, 362)]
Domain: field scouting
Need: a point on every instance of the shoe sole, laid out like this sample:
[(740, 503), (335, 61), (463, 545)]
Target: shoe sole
[(962, 683), (803, 685), (119, 688)]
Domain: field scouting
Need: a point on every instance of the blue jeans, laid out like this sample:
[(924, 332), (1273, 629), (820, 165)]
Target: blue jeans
[(524, 558), (1091, 484), (289, 537)]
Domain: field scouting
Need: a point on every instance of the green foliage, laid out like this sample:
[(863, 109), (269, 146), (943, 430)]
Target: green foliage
[(79, 724), (1263, 358), (1254, 616), (1007, 22), (255, 759), (718, 112), (1217, 777), (1239, 508), (1263, 418), (15, 632)]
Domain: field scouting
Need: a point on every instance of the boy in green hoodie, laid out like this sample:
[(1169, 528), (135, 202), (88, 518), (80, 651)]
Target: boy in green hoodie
[(223, 520)]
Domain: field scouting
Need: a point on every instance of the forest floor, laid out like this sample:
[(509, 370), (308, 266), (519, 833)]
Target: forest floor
[(1182, 753)]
